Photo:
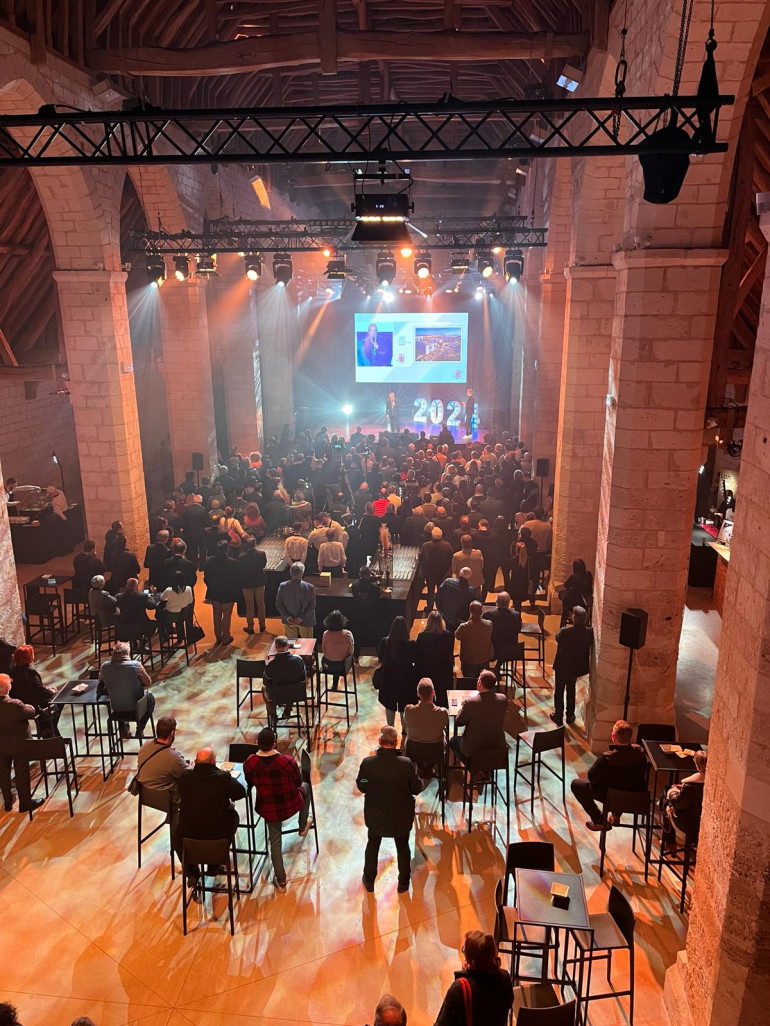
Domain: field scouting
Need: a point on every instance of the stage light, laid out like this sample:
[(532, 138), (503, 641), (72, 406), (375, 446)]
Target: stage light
[(480, 292), (406, 251), (181, 268), (283, 270), (485, 263), (327, 253), (513, 266), (459, 263), (570, 78), (385, 267), (347, 409), (382, 218), (156, 269), (423, 264), (336, 269), (206, 263), (253, 264), (497, 250)]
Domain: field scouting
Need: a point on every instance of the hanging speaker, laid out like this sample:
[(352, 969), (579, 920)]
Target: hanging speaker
[(197, 461), (542, 467), (633, 628), (664, 173)]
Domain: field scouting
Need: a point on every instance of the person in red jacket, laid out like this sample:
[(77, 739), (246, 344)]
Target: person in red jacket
[(280, 794)]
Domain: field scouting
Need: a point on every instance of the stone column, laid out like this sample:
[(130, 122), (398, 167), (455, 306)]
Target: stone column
[(659, 369), (233, 334), (582, 409), (553, 294), (11, 628), (529, 359), (724, 975), (96, 337), (186, 370), (277, 326)]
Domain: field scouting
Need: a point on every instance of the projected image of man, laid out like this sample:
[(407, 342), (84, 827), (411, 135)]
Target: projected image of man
[(374, 348)]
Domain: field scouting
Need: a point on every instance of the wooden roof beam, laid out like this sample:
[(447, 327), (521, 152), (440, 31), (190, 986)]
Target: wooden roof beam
[(260, 53)]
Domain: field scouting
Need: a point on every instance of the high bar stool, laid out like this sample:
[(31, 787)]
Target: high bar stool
[(344, 670)]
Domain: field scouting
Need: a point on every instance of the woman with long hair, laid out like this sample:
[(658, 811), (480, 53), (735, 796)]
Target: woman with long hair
[(435, 656), (578, 590), (397, 679), (253, 521), (518, 586), (482, 992)]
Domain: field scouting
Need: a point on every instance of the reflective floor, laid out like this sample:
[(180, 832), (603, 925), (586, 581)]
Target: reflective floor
[(87, 933)]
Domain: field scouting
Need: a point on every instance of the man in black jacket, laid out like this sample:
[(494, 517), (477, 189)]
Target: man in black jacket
[(222, 590), (155, 557), (195, 520), (454, 599), (435, 564), (179, 562), (284, 680), (86, 565), (253, 580), (14, 729), (206, 794), (573, 649), (389, 782), (623, 767), (506, 624)]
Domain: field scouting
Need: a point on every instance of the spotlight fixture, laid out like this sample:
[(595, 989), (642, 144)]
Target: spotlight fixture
[(335, 269), (253, 266), (406, 252), (485, 263), (347, 409), (385, 267), (382, 217), (570, 78), (283, 270), (327, 252), (460, 263), (497, 250), (513, 266), (206, 263), (156, 268), (181, 268), (423, 264), (426, 290)]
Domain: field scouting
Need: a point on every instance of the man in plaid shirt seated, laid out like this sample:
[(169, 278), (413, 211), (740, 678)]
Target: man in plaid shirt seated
[(280, 794)]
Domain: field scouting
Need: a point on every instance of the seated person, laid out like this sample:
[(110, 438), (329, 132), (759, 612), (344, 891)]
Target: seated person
[(475, 637), (336, 645), (506, 624), (86, 565), (177, 605), (132, 608), (280, 793), (28, 687), (683, 806), (103, 606), (483, 717), (206, 796), (124, 680), (285, 671), (159, 764), (426, 722), (622, 767), (366, 587)]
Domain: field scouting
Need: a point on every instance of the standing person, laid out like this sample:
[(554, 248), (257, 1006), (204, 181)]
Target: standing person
[(578, 590), (471, 557), (178, 561), (253, 580), (533, 568), (435, 562), (86, 565), (518, 586), (454, 598), (475, 637), (369, 531), (573, 650), (389, 782), (114, 531), (222, 589), (155, 557), (195, 520), (331, 554), (14, 730), (396, 654), (391, 413), (435, 656), (295, 602), (470, 409), (280, 793), (482, 986), (295, 547), (123, 564)]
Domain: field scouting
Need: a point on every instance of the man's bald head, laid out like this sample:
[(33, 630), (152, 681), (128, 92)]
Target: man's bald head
[(389, 1012), (206, 755)]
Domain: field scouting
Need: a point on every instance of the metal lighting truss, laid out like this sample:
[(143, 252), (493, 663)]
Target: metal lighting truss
[(393, 131), (226, 236)]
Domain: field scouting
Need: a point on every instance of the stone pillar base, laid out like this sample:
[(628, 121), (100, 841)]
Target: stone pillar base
[(674, 993)]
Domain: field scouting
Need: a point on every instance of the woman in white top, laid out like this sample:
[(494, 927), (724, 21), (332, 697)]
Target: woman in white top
[(179, 603)]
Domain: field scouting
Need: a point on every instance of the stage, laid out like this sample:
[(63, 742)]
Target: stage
[(458, 433)]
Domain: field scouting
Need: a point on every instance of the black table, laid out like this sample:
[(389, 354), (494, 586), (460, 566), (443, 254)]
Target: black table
[(50, 537), (670, 766), (91, 708), (48, 584)]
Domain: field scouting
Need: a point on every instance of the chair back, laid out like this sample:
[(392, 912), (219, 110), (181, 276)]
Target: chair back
[(40, 604), (620, 910), (487, 759), (559, 1015), (281, 694), (548, 740), (532, 628), (305, 765), (528, 855), (75, 596), (41, 749), (510, 653), (143, 707), (664, 733), (250, 668), (465, 683), (239, 752), (129, 632), (637, 802), (213, 853), (430, 753), (155, 798)]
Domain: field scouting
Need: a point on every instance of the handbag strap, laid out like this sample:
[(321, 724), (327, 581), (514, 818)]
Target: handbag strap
[(465, 987), (141, 765)]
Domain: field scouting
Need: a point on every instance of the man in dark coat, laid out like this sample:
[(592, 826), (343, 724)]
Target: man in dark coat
[(389, 782), (573, 650), (623, 767), (222, 590), (195, 520), (435, 564), (454, 599), (179, 562), (14, 729), (155, 557)]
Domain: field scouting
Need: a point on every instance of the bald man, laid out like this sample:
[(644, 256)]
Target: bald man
[(206, 794)]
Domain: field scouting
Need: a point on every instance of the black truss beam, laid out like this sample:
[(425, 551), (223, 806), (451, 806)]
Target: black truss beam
[(489, 129), (460, 233)]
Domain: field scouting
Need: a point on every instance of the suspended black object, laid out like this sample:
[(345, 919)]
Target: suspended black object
[(664, 173), (708, 92)]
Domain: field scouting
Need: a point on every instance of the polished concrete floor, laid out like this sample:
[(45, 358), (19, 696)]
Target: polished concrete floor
[(86, 932)]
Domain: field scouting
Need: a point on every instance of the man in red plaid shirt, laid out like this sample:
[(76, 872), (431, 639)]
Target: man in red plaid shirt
[(280, 794)]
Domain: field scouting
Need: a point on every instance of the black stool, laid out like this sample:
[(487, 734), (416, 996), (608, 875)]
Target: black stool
[(342, 669), (250, 670), (153, 798), (208, 853), (53, 749), (486, 763), (539, 742)]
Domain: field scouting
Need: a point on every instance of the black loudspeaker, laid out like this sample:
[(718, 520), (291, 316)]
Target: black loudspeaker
[(197, 461), (542, 467), (633, 628)]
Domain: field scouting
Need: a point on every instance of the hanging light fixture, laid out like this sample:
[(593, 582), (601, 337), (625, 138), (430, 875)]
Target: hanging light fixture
[(181, 267), (253, 266)]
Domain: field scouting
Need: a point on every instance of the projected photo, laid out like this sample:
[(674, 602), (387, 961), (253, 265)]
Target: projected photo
[(427, 347), (442, 345)]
